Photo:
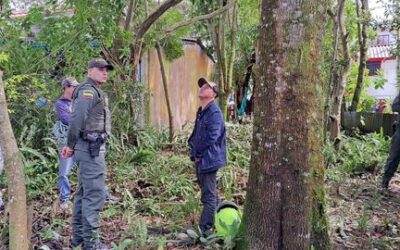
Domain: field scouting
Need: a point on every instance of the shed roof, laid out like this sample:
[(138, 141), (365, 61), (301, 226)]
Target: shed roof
[(383, 51)]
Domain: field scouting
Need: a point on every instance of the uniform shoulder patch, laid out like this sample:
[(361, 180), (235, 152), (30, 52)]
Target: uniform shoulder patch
[(87, 94)]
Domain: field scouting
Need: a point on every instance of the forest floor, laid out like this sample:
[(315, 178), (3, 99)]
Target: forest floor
[(159, 200), (362, 216)]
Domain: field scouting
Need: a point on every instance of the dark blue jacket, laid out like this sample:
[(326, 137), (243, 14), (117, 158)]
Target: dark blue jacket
[(208, 140)]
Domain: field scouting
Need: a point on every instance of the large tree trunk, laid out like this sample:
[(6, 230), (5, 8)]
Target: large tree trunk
[(362, 25), (287, 165), (16, 179), (165, 84), (339, 72)]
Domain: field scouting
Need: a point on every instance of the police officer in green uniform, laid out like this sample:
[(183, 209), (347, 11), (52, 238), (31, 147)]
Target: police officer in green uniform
[(90, 124)]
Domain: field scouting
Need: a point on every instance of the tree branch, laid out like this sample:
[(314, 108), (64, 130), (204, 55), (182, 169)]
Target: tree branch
[(144, 27), (177, 26), (129, 15), (331, 14)]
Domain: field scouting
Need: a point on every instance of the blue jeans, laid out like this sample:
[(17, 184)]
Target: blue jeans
[(209, 198), (64, 187), (1, 201)]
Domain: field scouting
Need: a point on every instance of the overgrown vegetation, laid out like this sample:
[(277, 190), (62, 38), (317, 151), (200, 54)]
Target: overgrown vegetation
[(154, 179), (159, 196), (358, 154)]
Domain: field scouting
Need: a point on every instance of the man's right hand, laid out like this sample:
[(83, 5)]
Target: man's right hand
[(67, 152)]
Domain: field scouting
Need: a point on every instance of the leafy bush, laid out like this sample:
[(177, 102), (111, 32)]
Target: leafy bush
[(359, 154)]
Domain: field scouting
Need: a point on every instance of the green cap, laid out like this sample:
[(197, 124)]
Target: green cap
[(69, 81), (99, 63)]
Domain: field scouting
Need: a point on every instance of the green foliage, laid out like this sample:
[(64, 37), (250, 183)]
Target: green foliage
[(125, 244), (40, 171), (172, 45), (248, 20), (351, 26), (138, 230), (239, 142), (357, 155), (50, 232), (4, 57), (367, 102), (36, 51), (246, 34), (363, 221)]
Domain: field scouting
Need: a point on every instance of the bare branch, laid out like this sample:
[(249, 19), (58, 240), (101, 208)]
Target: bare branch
[(144, 27), (177, 26), (331, 14)]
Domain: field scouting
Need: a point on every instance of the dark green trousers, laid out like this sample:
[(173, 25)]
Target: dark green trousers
[(393, 159), (89, 199)]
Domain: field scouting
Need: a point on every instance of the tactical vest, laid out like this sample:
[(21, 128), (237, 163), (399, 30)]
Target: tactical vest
[(99, 116)]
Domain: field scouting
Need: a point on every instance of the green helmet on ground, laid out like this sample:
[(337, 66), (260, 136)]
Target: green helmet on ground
[(227, 219)]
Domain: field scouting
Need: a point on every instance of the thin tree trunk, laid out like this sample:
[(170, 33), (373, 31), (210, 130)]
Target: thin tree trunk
[(286, 167), (340, 73), (332, 71), (217, 37), (231, 52), (128, 19), (165, 84), (362, 41), (18, 219)]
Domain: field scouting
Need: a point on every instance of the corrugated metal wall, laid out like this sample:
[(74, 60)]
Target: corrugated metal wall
[(182, 75)]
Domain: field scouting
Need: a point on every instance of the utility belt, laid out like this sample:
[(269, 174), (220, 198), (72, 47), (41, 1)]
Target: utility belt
[(95, 139)]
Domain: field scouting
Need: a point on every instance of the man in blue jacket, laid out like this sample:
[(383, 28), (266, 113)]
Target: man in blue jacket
[(208, 150)]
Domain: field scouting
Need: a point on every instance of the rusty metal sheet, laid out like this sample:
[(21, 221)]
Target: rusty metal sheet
[(182, 75)]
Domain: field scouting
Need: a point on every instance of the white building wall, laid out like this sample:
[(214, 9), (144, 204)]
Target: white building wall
[(390, 89)]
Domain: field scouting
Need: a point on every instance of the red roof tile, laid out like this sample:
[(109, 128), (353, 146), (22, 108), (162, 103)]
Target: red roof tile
[(380, 51)]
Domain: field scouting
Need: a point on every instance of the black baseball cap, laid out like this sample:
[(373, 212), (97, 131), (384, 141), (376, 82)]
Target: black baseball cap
[(212, 85)]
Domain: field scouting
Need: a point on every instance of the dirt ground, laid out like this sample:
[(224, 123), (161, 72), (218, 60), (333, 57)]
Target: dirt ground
[(361, 217)]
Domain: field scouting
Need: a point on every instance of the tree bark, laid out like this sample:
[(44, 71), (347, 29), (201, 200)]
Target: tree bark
[(286, 167), (128, 19), (165, 84), (362, 41), (332, 71), (339, 72), (18, 219)]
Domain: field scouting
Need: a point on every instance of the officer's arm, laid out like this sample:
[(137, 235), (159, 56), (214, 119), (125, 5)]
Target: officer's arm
[(83, 102), (396, 104), (213, 131)]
